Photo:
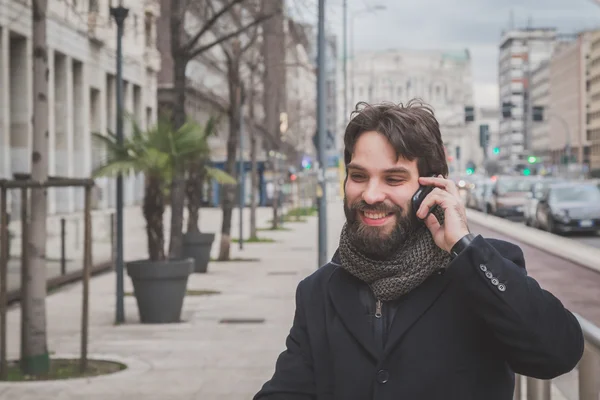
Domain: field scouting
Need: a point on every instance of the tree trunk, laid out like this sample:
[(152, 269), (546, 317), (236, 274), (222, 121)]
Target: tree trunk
[(35, 358), (194, 187), (275, 224), (232, 145), (253, 167), (179, 117), (154, 209)]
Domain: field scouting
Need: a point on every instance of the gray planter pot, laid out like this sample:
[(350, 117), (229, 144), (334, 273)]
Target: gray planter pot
[(197, 245), (159, 288)]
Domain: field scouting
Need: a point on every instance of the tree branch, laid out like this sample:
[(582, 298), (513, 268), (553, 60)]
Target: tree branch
[(207, 26), (228, 36)]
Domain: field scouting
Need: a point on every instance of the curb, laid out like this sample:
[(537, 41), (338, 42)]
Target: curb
[(561, 247)]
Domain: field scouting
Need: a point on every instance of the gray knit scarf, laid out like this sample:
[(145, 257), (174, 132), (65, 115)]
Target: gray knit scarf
[(414, 261)]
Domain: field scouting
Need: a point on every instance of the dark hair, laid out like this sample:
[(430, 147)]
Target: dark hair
[(411, 129)]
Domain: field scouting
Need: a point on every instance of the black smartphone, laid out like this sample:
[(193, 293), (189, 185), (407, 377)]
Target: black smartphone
[(420, 195)]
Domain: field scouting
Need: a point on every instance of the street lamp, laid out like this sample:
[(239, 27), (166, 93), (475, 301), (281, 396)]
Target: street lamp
[(119, 14), (377, 7)]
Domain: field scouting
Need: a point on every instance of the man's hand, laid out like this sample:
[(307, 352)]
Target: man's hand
[(446, 196)]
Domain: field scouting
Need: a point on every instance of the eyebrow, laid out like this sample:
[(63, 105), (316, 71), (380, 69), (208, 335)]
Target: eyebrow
[(393, 170)]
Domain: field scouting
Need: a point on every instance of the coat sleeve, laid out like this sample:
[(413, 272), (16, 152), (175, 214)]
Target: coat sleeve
[(294, 376), (540, 338)]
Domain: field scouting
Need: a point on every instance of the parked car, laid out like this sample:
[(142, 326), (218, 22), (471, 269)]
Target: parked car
[(509, 194), (570, 207), (536, 192)]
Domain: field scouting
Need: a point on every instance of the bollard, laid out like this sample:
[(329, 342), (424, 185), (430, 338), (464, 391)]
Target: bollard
[(63, 246)]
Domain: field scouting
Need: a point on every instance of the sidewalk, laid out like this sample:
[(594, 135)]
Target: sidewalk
[(134, 236), (199, 358)]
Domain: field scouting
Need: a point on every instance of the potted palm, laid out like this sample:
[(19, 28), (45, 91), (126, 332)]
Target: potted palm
[(159, 283), (197, 244)]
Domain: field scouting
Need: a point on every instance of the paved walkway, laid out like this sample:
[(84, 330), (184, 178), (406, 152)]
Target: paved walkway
[(199, 358), (196, 359)]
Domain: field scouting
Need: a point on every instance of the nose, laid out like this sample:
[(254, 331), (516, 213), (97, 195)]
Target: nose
[(373, 193)]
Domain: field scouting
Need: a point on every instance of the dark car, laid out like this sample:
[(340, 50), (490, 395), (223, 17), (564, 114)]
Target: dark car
[(570, 207)]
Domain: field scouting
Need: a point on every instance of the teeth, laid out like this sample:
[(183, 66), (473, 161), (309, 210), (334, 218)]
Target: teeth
[(372, 215)]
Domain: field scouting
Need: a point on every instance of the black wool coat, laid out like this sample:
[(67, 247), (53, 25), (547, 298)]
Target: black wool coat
[(462, 334)]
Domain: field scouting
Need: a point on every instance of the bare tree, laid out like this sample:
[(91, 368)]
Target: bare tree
[(186, 46), (34, 357), (273, 50), (253, 67), (234, 51)]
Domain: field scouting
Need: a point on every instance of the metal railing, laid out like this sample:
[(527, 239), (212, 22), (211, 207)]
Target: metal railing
[(588, 368)]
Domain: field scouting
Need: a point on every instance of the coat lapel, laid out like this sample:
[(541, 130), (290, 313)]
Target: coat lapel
[(345, 296), (415, 304)]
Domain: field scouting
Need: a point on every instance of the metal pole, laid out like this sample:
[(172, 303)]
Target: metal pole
[(529, 114), (24, 267), (119, 14), (242, 169), (538, 389), (321, 74), (345, 56), (63, 247), (87, 266), (3, 275)]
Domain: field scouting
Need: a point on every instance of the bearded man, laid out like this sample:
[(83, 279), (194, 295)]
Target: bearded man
[(412, 305)]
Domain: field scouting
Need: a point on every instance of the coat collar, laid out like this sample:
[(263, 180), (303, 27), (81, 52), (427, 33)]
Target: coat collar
[(344, 293)]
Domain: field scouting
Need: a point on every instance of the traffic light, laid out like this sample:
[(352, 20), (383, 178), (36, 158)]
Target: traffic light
[(496, 150), (293, 177), (538, 113), (532, 159), (506, 109), (526, 172), (306, 163), (458, 152), (470, 171), (469, 114), (484, 136)]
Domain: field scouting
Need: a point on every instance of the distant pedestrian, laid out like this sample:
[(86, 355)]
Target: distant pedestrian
[(413, 305)]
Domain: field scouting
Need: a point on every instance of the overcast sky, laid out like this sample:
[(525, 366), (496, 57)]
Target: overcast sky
[(454, 24)]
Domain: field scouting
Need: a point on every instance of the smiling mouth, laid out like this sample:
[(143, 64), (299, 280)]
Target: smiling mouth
[(375, 217)]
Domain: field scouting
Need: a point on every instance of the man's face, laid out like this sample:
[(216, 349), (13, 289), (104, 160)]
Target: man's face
[(378, 194)]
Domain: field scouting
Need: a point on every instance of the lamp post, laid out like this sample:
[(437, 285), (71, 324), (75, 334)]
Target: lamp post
[(377, 7), (119, 14)]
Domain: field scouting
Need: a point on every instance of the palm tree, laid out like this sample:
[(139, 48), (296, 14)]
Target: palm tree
[(157, 153)]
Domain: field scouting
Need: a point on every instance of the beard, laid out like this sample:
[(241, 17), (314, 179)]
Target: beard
[(375, 241)]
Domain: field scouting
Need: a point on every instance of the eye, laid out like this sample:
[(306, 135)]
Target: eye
[(395, 180), (357, 177)]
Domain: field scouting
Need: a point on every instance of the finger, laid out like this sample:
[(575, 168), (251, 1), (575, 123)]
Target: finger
[(440, 182), (436, 197), (432, 223)]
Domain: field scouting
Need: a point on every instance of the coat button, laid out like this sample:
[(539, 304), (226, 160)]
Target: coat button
[(501, 287), (383, 376), (495, 282), (489, 275), (482, 267)]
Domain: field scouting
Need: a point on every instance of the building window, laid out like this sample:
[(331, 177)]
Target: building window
[(94, 6)]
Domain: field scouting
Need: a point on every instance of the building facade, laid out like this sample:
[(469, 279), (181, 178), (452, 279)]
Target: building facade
[(82, 93), (540, 96), (593, 103), (567, 106), (521, 52), (442, 79)]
